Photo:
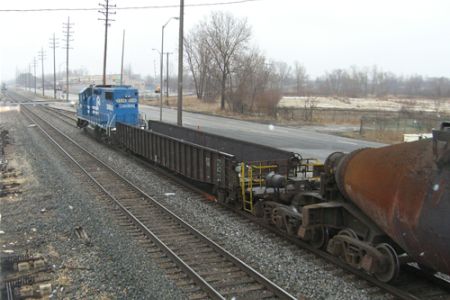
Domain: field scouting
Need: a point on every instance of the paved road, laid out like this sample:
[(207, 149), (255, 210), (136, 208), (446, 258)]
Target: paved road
[(307, 142)]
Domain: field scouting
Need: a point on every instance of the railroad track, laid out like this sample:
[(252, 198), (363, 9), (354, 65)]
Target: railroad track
[(413, 284), (65, 113), (208, 270), (16, 98), (65, 116)]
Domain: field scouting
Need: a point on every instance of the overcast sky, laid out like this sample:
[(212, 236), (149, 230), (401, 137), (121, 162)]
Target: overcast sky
[(402, 36)]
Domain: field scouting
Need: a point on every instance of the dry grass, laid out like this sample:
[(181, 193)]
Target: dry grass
[(386, 137), (191, 103)]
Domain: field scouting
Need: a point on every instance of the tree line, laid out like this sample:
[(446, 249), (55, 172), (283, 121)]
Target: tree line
[(223, 65)]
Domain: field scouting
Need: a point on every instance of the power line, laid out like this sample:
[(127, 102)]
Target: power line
[(128, 7)]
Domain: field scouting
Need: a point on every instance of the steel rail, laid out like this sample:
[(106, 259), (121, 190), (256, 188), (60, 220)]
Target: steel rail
[(278, 291), (9, 291)]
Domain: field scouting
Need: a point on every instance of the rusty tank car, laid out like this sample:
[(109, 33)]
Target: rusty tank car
[(404, 189), (377, 208)]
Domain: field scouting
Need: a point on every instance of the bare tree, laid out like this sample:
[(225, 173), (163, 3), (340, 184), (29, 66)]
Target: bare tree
[(334, 82), (282, 72), (250, 77), (199, 59), (310, 105), (225, 36), (414, 85), (359, 82), (301, 78), (439, 87)]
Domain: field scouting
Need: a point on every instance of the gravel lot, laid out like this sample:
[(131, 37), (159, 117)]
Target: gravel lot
[(42, 220), (293, 269)]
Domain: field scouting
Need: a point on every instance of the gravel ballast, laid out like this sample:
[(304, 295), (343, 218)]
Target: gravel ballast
[(300, 273), (113, 265)]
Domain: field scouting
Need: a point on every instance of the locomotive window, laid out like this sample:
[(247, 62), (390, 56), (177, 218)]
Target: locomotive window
[(108, 95)]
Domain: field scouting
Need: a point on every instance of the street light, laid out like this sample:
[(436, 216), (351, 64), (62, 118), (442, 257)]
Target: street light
[(167, 76), (161, 68)]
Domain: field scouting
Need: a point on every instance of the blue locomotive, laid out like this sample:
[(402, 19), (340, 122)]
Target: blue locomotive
[(101, 106)]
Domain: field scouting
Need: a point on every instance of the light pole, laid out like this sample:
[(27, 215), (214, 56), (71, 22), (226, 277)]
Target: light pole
[(161, 68), (167, 65), (167, 76)]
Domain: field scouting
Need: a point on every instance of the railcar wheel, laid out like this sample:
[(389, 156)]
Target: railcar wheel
[(350, 254), (319, 238), (391, 265)]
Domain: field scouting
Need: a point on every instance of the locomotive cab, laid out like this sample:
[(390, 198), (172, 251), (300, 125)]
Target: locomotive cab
[(101, 106)]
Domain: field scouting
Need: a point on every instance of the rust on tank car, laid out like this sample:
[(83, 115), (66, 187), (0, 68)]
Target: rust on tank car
[(404, 188)]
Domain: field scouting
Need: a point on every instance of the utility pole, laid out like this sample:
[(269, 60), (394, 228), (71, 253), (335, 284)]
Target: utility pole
[(161, 72), (68, 38), (180, 67), (28, 78), (42, 57), (106, 11), (34, 66), (123, 53), (53, 44), (167, 74)]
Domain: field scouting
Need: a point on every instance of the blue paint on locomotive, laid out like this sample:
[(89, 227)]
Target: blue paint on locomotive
[(104, 105)]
